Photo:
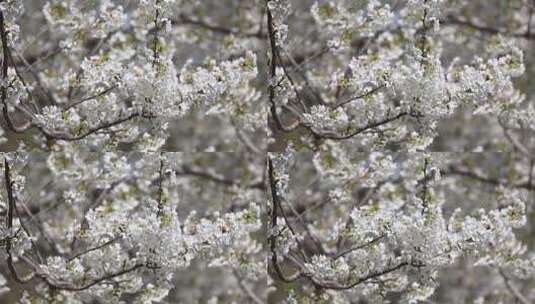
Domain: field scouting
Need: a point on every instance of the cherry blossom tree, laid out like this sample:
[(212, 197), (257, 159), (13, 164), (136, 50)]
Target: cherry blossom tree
[(368, 100), (399, 75), (80, 224), (116, 226), (91, 72), (399, 227), (267, 151)]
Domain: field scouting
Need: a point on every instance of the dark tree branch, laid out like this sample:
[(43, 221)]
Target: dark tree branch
[(485, 179), (185, 20), (216, 178), (94, 96), (274, 216), (68, 137), (360, 130), (363, 95), (452, 20), (425, 189), (351, 249), (54, 283), (9, 224), (160, 187), (337, 286), (3, 89), (513, 289), (273, 73), (92, 249)]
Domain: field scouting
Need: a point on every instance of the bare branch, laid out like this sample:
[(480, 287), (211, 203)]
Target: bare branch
[(9, 224), (250, 294), (351, 249), (273, 73), (485, 179), (216, 178), (3, 89), (512, 289), (273, 237), (360, 130), (363, 95), (452, 20), (185, 20), (92, 249)]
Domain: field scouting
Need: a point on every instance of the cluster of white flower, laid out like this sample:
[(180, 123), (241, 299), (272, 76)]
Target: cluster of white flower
[(279, 10), (346, 21), (157, 90), (102, 246), (111, 73), (392, 82), (488, 85), (78, 20), (426, 10), (353, 96), (422, 86), (324, 118), (335, 166), (401, 226)]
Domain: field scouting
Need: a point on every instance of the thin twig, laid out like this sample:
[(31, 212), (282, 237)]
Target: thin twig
[(246, 289), (512, 288)]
